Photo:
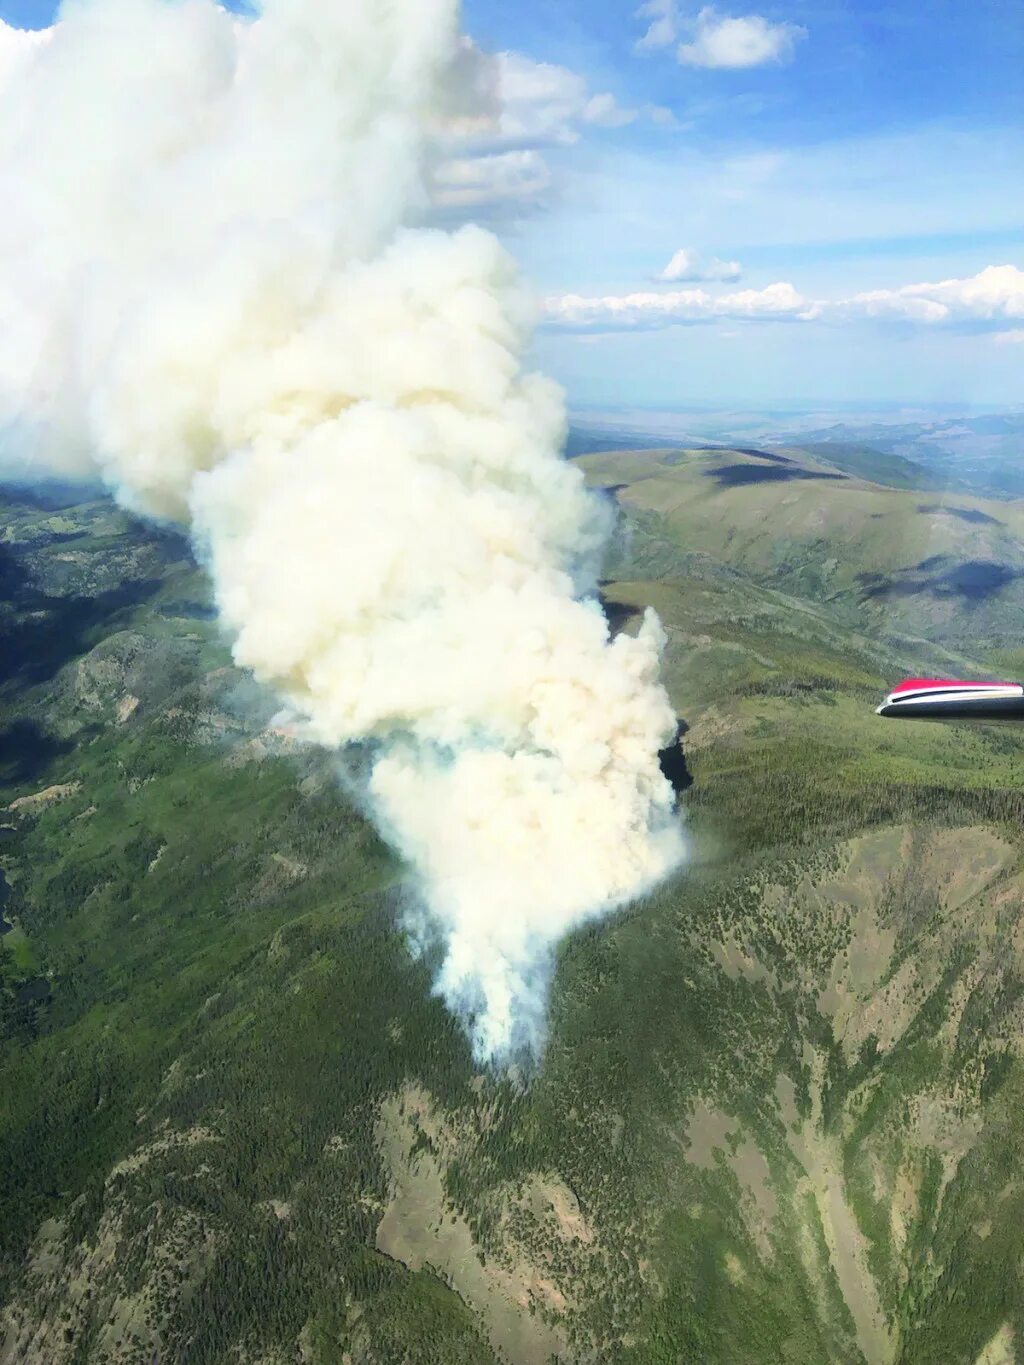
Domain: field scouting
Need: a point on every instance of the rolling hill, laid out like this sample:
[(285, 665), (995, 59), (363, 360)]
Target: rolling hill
[(901, 562)]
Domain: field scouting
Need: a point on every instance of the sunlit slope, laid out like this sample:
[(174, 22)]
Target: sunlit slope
[(942, 566)]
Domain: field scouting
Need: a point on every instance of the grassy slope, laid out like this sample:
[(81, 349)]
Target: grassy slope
[(780, 1102), (866, 462)]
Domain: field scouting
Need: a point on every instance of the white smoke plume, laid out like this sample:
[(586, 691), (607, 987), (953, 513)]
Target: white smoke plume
[(214, 294)]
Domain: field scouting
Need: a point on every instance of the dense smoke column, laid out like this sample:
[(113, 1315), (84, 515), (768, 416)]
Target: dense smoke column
[(217, 301)]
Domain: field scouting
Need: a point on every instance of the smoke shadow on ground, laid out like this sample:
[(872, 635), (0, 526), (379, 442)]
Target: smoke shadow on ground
[(739, 475), (32, 992), (672, 760), (971, 580), (45, 632), (27, 751), (13, 577), (972, 515), (617, 614)]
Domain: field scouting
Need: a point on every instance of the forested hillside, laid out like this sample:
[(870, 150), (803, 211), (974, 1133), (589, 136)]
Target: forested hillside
[(779, 1114)]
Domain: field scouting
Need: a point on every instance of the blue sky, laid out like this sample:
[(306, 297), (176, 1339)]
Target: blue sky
[(885, 149), (843, 147)]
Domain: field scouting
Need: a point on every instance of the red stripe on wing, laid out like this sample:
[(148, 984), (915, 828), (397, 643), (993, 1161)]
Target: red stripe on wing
[(924, 684)]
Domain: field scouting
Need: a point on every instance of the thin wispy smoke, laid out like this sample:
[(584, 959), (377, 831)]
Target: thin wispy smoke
[(215, 295)]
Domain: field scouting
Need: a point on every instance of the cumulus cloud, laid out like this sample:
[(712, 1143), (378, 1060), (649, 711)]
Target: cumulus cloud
[(715, 40), (991, 300), (721, 42), (688, 266), (218, 295), (994, 296), (724, 42)]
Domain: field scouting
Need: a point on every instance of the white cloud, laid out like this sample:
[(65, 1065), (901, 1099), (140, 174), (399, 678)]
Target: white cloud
[(505, 111), (490, 183), (520, 102), (546, 103), (687, 266), (606, 112), (17, 45), (990, 300), (718, 41), (722, 42), (663, 29), (645, 311), (1012, 338), (993, 294), (662, 116), (992, 297)]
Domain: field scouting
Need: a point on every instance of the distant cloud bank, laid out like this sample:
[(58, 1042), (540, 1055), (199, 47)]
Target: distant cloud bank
[(646, 311), (992, 300), (717, 41)]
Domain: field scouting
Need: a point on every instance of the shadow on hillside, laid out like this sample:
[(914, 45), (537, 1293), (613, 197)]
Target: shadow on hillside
[(27, 750), (618, 614), (45, 632), (968, 514), (738, 475), (972, 580), (13, 578), (188, 611), (52, 496)]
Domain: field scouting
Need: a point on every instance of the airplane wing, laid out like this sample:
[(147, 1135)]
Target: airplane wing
[(945, 699)]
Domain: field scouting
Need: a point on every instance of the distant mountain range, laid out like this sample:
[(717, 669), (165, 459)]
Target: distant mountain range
[(982, 453)]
